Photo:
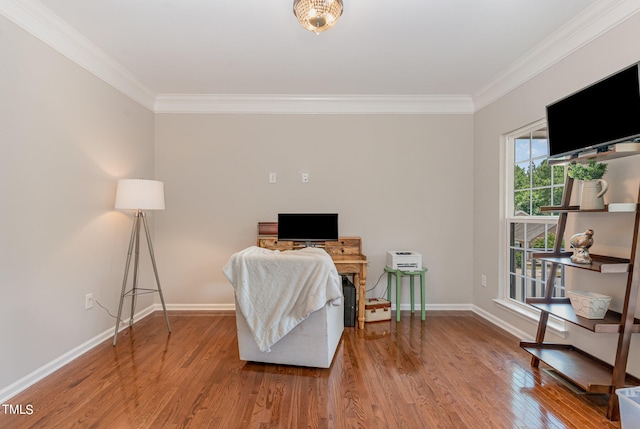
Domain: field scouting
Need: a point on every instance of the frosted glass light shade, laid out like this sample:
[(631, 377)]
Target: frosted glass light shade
[(140, 194)]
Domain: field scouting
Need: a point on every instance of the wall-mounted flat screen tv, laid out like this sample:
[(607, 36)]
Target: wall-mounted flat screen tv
[(601, 114), (308, 226)]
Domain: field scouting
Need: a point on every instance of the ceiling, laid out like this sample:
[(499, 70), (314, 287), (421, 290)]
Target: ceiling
[(377, 48)]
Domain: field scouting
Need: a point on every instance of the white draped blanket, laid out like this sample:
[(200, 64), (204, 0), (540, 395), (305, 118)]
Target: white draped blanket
[(277, 290)]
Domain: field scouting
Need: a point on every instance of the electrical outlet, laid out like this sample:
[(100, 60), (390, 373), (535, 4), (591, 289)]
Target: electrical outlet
[(88, 301), (272, 177), (305, 177), (483, 280)]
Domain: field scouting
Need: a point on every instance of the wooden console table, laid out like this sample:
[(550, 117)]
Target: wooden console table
[(346, 254)]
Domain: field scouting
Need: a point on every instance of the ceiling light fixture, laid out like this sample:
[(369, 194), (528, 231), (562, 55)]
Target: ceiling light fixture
[(317, 15)]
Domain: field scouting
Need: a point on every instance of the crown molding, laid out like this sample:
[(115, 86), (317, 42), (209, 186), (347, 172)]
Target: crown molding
[(596, 20), (40, 22), (314, 104)]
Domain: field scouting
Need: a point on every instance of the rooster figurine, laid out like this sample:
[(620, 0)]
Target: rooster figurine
[(580, 244)]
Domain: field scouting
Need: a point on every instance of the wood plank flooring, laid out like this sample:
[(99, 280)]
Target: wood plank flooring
[(454, 370)]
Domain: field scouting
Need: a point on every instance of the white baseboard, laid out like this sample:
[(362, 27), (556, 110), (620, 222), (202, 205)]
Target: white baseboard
[(197, 307), (477, 310), (435, 307), (13, 389), (518, 333), (231, 307), (447, 307)]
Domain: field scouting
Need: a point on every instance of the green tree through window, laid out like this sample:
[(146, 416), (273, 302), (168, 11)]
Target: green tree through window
[(535, 183)]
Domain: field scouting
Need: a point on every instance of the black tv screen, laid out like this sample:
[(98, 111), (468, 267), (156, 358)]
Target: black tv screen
[(604, 113), (308, 226)]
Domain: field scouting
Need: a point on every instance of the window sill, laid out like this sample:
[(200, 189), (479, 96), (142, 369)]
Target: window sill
[(555, 325)]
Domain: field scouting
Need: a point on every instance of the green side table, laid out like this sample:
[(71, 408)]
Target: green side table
[(399, 274)]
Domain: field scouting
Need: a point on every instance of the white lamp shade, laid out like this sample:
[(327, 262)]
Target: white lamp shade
[(139, 194)]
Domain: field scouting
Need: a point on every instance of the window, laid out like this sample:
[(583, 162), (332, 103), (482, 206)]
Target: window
[(532, 183)]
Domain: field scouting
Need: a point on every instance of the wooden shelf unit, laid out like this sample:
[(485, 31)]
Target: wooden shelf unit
[(561, 308), (577, 366), (601, 263), (600, 156), (569, 209), (589, 373)]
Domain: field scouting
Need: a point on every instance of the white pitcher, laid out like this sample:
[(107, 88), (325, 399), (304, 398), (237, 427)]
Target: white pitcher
[(592, 192)]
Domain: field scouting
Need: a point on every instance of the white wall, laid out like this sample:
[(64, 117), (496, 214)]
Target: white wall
[(603, 56), (65, 139), (430, 183), (397, 181)]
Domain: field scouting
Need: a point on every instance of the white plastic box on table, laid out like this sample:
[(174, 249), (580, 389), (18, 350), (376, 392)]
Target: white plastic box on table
[(404, 260), (629, 400)]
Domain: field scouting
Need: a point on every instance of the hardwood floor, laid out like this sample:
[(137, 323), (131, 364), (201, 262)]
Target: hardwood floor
[(454, 370)]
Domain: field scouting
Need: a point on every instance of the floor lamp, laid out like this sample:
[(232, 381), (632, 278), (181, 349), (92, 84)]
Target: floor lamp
[(139, 195)]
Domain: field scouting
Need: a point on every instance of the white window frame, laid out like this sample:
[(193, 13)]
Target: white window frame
[(520, 309)]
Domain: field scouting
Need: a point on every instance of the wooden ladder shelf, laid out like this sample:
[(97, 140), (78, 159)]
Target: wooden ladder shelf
[(575, 365)]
